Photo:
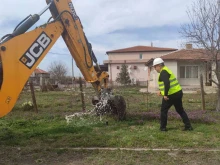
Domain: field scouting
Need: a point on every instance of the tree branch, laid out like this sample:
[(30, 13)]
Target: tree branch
[(214, 82)]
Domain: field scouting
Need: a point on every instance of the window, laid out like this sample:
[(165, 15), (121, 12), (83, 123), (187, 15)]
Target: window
[(140, 56), (189, 72)]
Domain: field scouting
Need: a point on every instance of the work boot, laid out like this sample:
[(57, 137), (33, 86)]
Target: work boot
[(163, 129), (188, 128)]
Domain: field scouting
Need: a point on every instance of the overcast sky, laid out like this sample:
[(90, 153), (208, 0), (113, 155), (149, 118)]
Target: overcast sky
[(108, 24)]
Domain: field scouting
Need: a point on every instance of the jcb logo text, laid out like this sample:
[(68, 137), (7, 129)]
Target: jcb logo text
[(36, 50)]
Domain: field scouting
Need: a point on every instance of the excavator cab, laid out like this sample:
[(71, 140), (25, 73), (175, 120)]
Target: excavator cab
[(23, 50)]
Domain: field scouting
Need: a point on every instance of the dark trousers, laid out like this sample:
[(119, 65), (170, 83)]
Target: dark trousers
[(176, 100)]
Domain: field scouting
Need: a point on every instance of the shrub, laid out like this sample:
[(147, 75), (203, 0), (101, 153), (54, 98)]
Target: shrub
[(26, 106)]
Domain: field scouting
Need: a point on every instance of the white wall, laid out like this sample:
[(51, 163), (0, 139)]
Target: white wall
[(139, 74), (133, 59), (135, 55)]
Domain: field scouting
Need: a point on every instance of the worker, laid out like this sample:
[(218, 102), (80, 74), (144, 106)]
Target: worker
[(172, 94)]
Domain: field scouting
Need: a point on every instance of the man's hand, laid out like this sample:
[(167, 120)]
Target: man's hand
[(165, 98), (158, 93)]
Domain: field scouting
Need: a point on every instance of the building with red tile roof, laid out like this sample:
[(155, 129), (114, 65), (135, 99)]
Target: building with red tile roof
[(40, 71), (187, 64), (135, 57), (39, 75), (141, 49)]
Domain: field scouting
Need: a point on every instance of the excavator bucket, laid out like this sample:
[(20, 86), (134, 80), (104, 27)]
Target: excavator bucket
[(118, 106), (110, 104)]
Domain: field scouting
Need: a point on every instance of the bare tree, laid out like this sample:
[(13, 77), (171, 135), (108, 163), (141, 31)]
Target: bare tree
[(58, 70), (204, 32)]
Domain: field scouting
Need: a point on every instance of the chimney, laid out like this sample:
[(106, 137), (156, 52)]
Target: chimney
[(151, 44), (189, 46)]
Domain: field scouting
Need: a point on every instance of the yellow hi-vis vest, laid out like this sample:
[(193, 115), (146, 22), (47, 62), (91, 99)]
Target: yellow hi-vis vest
[(174, 85)]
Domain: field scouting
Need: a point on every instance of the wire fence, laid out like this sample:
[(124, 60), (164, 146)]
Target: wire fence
[(137, 100)]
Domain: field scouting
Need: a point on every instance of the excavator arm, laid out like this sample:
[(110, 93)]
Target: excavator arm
[(22, 51), (77, 43)]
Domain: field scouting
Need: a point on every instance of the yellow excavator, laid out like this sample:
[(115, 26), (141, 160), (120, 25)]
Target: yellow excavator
[(23, 50)]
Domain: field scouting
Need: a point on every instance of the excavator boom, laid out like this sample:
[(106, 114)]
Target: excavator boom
[(19, 58), (76, 41), (22, 51)]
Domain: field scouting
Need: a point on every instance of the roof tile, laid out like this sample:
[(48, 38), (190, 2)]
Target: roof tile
[(40, 71), (141, 49), (186, 54)]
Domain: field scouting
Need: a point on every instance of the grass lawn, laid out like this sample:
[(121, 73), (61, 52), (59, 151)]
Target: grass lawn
[(27, 137)]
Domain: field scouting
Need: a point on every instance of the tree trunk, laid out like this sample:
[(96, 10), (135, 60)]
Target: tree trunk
[(202, 92), (218, 102)]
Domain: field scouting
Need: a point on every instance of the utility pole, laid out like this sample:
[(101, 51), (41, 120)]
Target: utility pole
[(72, 73)]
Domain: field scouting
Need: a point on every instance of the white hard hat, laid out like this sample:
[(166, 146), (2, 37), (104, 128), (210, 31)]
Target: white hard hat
[(157, 61)]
